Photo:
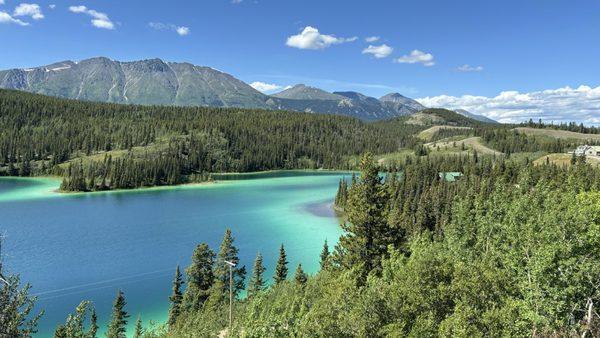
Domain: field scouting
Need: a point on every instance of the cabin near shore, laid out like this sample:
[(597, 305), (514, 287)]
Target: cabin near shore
[(450, 176), (586, 150)]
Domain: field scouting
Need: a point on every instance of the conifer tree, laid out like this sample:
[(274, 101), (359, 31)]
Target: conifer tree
[(300, 277), (16, 306), (176, 298), (60, 332), (367, 232), (228, 252), (257, 283), (118, 324), (139, 330), (200, 278), (281, 269), (324, 256), (93, 324)]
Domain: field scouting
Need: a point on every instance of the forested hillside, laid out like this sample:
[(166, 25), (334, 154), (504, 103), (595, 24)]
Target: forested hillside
[(101, 146), (104, 146)]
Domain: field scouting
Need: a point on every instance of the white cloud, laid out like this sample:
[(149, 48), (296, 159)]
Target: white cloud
[(379, 52), (372, 39), (417, 56), (565, 104), (235, 2), (32, 10), (266, 87), (7, 18), (52, 6), (99, 19), (310, 38), (468, 68), (181, 30), (1, 2)]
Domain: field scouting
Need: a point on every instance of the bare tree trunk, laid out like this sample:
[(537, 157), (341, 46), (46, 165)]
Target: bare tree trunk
[(590, 316)]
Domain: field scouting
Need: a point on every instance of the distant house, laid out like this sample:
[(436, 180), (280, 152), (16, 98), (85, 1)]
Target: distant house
[(587, 150), (451, 176)]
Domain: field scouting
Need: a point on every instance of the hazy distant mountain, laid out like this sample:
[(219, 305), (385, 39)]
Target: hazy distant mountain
[(310, 99), (401, 103), (476, 117), (303, 92), (156, 82)]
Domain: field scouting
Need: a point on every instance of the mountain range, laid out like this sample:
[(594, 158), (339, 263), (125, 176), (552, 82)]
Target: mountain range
[(156, 82)]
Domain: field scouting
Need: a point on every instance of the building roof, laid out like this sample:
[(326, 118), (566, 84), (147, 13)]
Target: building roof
[(450, 176)]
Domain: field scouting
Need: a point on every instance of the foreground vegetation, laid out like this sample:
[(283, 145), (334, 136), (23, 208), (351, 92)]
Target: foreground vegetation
[(510, 249)]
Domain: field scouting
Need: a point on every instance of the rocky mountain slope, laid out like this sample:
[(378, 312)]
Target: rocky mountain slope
[(310, 99), (156, 82), (476, 117), (140, 82)]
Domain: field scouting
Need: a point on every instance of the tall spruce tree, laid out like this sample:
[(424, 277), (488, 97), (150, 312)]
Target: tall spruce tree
[(118, 324), (16, 306), (60, 332), (300, 277), (228, 252), (367, 232), (281, 269), (176, 298), (257, 283), (93, 324), (324, 256), (200, 278), (139, 330)]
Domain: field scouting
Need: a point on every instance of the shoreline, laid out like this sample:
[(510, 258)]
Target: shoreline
[(156, 187), (217, 179)]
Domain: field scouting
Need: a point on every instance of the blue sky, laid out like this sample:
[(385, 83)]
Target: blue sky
[(425, 49)]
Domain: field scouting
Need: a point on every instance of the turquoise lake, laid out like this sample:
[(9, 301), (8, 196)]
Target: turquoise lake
[(74, 247)]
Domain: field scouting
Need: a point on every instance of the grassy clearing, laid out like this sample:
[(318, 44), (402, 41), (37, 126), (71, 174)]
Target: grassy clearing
[(154, 148), (562, 159), (399, 156), (561, 134), (456, 147), (427, 134)]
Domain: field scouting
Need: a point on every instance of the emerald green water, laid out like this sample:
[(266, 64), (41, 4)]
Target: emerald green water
[(72, 247)]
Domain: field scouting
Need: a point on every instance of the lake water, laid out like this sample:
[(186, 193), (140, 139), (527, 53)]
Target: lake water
[(72, 247)]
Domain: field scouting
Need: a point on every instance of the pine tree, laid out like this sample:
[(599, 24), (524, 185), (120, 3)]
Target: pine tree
[(367, 232), (176, 298), (300, 277), (93, 324), (228, 252), (281, 269), (139, 330), (200, 278), (257, 283), (16, 306), (60, 332), (118, 323), (325, 256)]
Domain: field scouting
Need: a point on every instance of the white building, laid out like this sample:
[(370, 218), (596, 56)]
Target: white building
[(587, 150)]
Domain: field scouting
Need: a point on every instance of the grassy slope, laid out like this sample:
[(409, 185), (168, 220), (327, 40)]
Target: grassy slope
[(455, 146), (427, 134), (138, 151), (562, 134), (564, 159)]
